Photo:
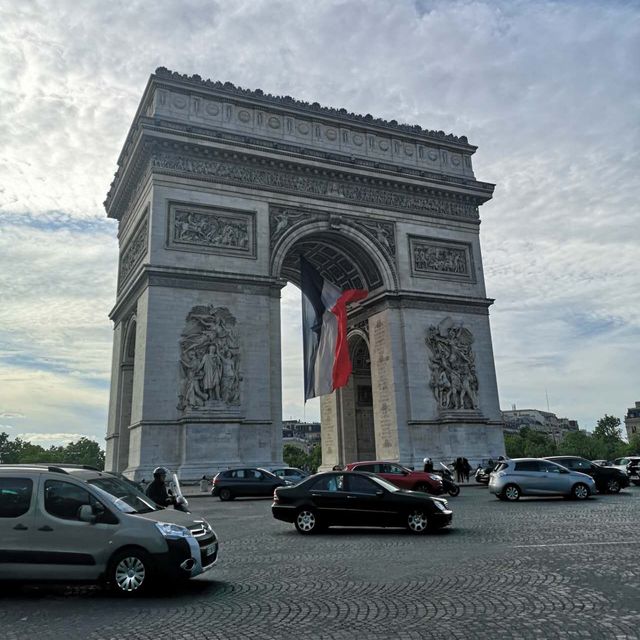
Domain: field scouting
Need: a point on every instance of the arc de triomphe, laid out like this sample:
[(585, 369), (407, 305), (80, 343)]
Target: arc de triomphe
[(218, 191)]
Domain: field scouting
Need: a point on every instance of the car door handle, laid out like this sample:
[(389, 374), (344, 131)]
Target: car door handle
[(351, 497), (45, 528), (20, 527)]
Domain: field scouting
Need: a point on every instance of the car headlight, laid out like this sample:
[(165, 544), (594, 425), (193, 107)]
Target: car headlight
[(440, 505), (169, 530), (433, 476)]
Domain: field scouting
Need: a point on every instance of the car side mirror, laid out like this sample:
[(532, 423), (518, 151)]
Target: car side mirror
[(86, 514)]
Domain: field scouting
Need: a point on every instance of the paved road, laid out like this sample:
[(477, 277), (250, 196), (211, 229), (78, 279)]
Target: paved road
[(535, 569)]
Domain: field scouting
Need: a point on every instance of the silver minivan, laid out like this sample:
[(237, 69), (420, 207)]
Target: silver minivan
[(67, 524), (533, 477)]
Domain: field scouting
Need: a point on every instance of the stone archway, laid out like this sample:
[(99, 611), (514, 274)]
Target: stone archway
[(218, 191), (348, 257)]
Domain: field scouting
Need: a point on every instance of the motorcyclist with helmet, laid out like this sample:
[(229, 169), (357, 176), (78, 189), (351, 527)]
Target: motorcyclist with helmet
[(157, 490)]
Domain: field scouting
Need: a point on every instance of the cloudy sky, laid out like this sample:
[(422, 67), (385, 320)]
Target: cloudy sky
[(549, 91)]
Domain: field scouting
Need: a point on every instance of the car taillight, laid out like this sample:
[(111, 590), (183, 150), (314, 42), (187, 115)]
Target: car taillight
[(275, 496), (216, 479)]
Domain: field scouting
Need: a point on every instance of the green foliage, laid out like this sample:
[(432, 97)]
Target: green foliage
[(529, 444), (84, 451), (296, 457), (608, 428)]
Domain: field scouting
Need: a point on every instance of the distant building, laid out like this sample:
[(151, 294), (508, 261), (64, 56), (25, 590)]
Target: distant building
[(301, 434), (632, 421), (542, 421)]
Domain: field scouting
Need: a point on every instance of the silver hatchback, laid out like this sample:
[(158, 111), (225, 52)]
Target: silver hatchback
[(532, 477)]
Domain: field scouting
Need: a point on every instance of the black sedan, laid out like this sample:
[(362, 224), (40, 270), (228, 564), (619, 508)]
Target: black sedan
[(357, 499), (608, 479), (246, 482)]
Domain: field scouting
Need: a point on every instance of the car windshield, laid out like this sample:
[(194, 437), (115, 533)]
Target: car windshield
[(385, 483), (269, 474), (123, 496)]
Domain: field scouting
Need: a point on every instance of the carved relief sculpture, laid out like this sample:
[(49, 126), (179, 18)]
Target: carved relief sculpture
[(210, 229), (445, 259), (134, 252), (209, 360), (454, 381)]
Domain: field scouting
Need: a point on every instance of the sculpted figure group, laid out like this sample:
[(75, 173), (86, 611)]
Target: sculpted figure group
[(453, 374), (209, 360)]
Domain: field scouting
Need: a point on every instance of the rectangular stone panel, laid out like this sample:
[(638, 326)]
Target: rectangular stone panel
[(211, 230), (444, 259), (133, 252)]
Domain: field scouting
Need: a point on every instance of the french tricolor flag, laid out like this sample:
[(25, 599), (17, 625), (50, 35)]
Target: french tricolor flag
[(327, 364)]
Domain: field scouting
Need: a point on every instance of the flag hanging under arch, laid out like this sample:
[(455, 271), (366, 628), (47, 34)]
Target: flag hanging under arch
[(327, 364)]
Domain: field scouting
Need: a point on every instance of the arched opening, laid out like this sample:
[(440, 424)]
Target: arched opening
[(350, 263), (360, 386), (126, 395)]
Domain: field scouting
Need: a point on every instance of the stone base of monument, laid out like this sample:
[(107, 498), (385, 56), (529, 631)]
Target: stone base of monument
[(199, 446), (449, 439)]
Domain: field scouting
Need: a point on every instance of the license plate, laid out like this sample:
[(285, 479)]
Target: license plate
[(211, 549)]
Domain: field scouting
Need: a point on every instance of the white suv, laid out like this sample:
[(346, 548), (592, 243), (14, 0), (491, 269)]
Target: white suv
[(70, 523)]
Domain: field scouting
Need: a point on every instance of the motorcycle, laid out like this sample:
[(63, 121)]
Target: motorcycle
[(449, 485), (180, 503)]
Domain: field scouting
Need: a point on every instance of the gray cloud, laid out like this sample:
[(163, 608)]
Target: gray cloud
[(548, 91)]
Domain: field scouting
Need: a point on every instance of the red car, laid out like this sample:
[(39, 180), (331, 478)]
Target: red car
[(401, 476)]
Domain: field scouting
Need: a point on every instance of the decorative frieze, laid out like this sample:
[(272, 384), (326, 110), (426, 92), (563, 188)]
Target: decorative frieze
[(441, 259), (133, 252), (209, 361), (300, 183), (210, 229), (454, 381), (281, 219)]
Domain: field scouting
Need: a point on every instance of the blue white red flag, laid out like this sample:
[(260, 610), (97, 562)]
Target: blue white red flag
[(327, 364)]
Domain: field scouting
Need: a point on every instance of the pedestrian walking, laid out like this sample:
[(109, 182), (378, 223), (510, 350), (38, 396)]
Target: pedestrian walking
[(466, 469), (204, 484), (428, 465), (458, 465)]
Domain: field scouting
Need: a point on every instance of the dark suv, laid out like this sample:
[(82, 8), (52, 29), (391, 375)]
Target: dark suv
[(237, 483), (608, 480)]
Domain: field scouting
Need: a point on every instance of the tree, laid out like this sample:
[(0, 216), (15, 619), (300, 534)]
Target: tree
[(608, 428), (579, 443), (634, 445), (84, 451), (294, 456)]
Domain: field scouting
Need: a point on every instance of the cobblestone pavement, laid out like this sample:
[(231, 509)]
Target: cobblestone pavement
[(534, 569)]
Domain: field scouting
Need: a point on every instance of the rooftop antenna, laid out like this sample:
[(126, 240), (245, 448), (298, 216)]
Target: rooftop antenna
[(547, 394)]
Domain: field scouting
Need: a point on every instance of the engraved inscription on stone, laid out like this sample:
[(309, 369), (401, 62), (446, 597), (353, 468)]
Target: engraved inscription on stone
[(133, 253), (454, 381), (209, 229), (382, 381), (209, 360), (443, 259)]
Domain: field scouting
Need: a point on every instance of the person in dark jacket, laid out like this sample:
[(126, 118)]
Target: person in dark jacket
[(157, 490), (428, 465), (466, 469)]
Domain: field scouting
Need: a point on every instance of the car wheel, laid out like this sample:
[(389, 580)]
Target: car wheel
[(454, 491), (307, 521), (580, 491), (129, 572), (613, 486), (425, 488), (225, 494), (417, 521), (511, 492)]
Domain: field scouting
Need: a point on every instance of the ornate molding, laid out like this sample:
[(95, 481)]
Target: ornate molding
[(283, 219), (209, 361), (314, 107), (224, 170), (445, 259), (454, 381), (211, 229), (133, 252)]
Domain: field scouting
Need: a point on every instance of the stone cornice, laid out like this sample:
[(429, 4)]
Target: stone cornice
[(220, 111), (314, 108), (417, 300), (216, 164)]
